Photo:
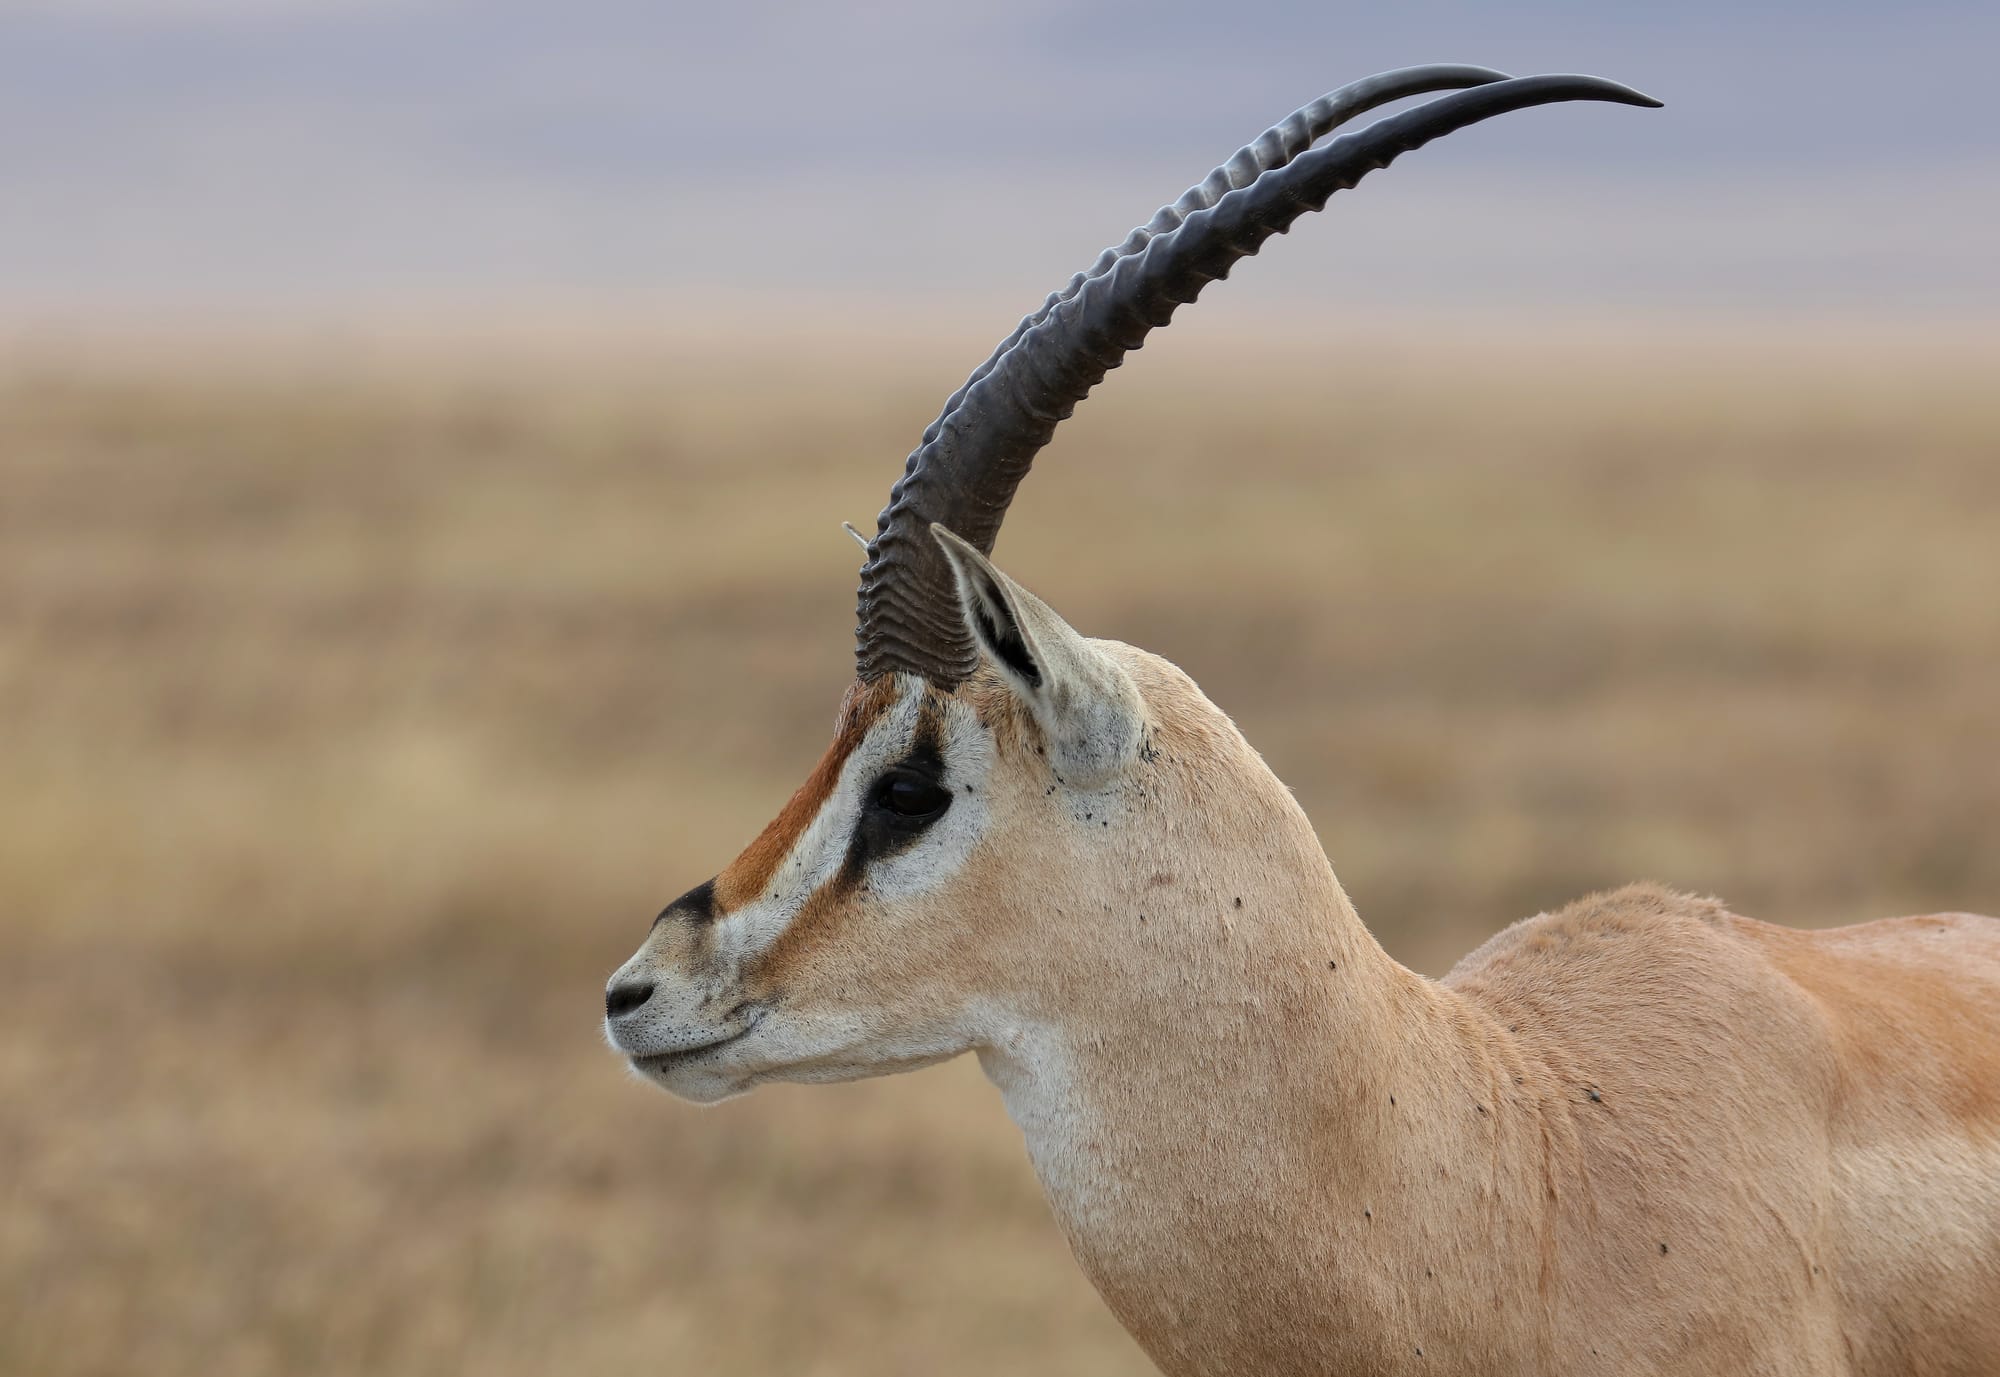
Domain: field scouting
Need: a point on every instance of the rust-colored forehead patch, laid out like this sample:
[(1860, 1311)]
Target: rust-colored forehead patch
[(746, 876)]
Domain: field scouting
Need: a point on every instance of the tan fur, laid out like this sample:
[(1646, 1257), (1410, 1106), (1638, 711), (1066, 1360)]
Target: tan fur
[(1638, 1136)]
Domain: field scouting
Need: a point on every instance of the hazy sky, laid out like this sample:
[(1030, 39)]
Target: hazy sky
[(1812, 157)]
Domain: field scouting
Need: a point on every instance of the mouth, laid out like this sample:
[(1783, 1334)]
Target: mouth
[(681, 1056)]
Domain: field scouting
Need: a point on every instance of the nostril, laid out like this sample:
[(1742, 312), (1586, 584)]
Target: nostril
[(620, 1000)]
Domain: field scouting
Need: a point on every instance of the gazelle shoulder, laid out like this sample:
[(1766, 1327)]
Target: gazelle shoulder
[(1642, 921)]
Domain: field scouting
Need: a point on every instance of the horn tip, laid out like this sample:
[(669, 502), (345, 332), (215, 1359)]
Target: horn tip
[(1626, 95)]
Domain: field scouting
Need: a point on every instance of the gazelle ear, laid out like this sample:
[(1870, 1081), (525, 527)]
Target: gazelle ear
[(1084, 702)]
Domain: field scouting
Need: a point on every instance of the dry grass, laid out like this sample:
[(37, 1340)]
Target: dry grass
[(355, 721)]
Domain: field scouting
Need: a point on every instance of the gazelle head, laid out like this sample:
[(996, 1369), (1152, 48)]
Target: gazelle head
[(1005, 800), (930, 879)]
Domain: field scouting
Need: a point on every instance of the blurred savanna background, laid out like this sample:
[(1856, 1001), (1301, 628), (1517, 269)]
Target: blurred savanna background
[(423, 432)]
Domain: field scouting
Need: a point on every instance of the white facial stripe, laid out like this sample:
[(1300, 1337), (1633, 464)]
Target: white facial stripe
[(820, 851)]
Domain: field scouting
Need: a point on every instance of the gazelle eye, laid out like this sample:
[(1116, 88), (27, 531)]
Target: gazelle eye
[(911, 797)]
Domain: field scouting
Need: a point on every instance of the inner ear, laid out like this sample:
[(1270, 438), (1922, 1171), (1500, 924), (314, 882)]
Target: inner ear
[(999, 631)]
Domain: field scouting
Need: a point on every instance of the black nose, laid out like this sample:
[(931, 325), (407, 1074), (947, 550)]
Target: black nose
[(620, 1000)]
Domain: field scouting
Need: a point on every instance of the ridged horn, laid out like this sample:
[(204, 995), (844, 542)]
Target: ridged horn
[(964, 473), (1275, 147)]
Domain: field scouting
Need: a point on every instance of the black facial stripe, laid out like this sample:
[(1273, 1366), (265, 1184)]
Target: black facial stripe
[(925, 755), (696, 907), (876, 832)]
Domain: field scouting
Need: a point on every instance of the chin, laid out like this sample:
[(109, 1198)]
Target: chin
[(690, 1080)]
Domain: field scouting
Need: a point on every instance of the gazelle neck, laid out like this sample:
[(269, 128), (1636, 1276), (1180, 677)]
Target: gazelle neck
[(1256, 1139)]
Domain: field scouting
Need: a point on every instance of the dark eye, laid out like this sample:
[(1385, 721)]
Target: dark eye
[(911, 797)]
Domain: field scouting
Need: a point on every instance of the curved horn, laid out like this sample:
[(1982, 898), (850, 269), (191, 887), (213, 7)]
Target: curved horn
[(965, 473), (1275, 147)]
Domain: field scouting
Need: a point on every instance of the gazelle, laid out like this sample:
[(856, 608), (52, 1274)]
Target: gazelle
[(1638, 1136)]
